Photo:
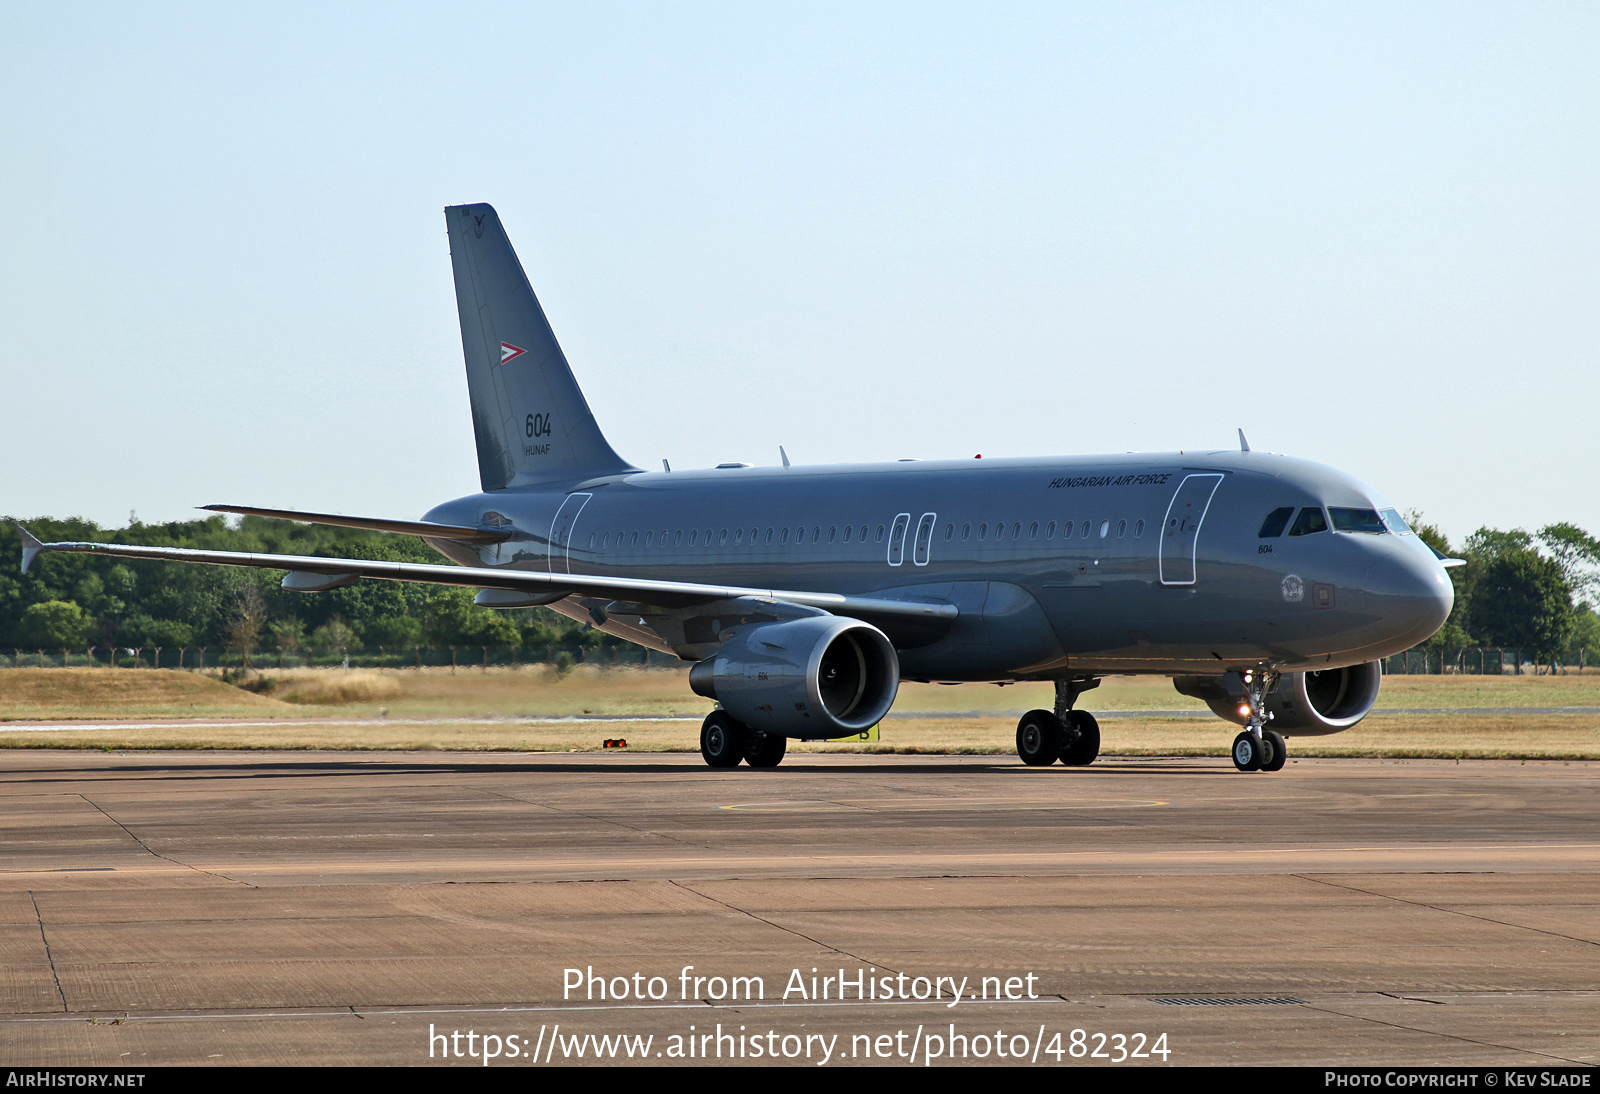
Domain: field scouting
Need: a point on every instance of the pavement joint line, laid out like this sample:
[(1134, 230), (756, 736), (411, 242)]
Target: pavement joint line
[(598, 820), (49, 958), (1448, 1036), (1449, 911), (368, 864), (353, 1010), (168, 858), (780, 927)]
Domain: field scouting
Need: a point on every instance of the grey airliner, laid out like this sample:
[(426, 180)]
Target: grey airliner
[(1269, 587)]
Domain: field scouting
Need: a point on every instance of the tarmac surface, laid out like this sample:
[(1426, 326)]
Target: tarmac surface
[(339, 908)]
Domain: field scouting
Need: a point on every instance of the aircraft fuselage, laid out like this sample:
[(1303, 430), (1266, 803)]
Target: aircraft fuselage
[(1140, 563)]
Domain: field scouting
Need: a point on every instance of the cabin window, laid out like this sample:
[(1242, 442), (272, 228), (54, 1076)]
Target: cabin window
[(1122, 528), (591, 541), (1016, 530), (966, 531), (1309, 521), (677, 539), (983, 530), (848, 531), (722, 540), (753, 533), (1066, 530), (949, 532), (1138, 529), (1050, 531), (832, 532), (738, 536), (1276, 521), (879, 537), (769, 536), (863, 533), (647, 538), (1105, 526), (634, 542), (1084, 534), (816, 534)]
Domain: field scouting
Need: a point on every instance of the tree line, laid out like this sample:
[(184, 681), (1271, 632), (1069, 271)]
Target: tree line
[(71, 601), (1532, 591)]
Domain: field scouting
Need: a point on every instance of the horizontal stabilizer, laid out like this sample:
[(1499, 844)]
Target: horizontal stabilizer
[(456, 532)]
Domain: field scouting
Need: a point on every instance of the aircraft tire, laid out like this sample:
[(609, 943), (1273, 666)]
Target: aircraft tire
[(765, 749), (1039, 737), (1280, 750), (1246, 753), (722, 739), (1084, 747)]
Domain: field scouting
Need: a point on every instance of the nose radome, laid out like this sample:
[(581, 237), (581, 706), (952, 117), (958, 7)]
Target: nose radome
[(1412, 594)]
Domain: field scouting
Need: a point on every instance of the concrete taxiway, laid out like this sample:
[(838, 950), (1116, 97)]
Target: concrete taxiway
[(164, 908)]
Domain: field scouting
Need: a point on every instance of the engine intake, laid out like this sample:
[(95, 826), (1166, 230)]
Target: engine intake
[(813, 678), (1304, 704)]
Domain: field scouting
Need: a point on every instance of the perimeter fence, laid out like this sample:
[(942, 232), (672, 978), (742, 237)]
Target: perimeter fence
[(458, 658)]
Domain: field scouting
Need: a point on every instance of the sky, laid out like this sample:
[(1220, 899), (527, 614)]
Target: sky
[(1364, 233)]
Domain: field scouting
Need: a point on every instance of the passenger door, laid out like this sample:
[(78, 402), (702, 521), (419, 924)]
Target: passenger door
[(1180, 532), (561, 532)]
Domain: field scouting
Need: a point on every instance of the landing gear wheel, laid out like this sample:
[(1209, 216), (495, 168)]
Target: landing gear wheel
[(765, 749), (722, 739), (1084, 739), (1280, 750), (1248, 752), (1039, 737)]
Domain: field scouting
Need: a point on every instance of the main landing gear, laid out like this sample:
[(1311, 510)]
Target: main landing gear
[(724, 741), (1258, 748), (1071, 736)]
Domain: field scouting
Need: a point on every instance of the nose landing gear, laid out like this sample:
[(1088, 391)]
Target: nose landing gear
[(1259, 748)]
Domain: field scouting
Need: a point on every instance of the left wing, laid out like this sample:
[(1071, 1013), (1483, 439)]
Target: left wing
[(665, 594)]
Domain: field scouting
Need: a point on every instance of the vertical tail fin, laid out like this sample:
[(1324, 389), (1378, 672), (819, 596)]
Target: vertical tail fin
[(532, 423)]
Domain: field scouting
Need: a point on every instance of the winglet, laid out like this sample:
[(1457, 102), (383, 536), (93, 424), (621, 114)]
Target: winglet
[(30, 547), (784, 454), (1244, 445)]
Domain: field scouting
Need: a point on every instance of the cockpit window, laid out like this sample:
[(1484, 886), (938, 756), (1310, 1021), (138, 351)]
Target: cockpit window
[(1310, 520), (1276, 522), (1397, 524), (1357, 520)]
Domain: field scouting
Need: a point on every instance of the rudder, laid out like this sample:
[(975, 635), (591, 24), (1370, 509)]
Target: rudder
[(531, 421)]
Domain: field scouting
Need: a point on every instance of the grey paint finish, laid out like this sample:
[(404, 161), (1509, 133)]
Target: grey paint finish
[(532, 423), (975, 570), (1054, 603)]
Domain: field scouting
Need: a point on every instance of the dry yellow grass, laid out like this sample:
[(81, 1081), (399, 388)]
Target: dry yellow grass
[(316, 687), (433, 709), (104, 694)]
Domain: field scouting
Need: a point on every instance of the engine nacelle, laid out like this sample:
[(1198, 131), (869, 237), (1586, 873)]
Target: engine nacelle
[(1304, 704), (813, 678)]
